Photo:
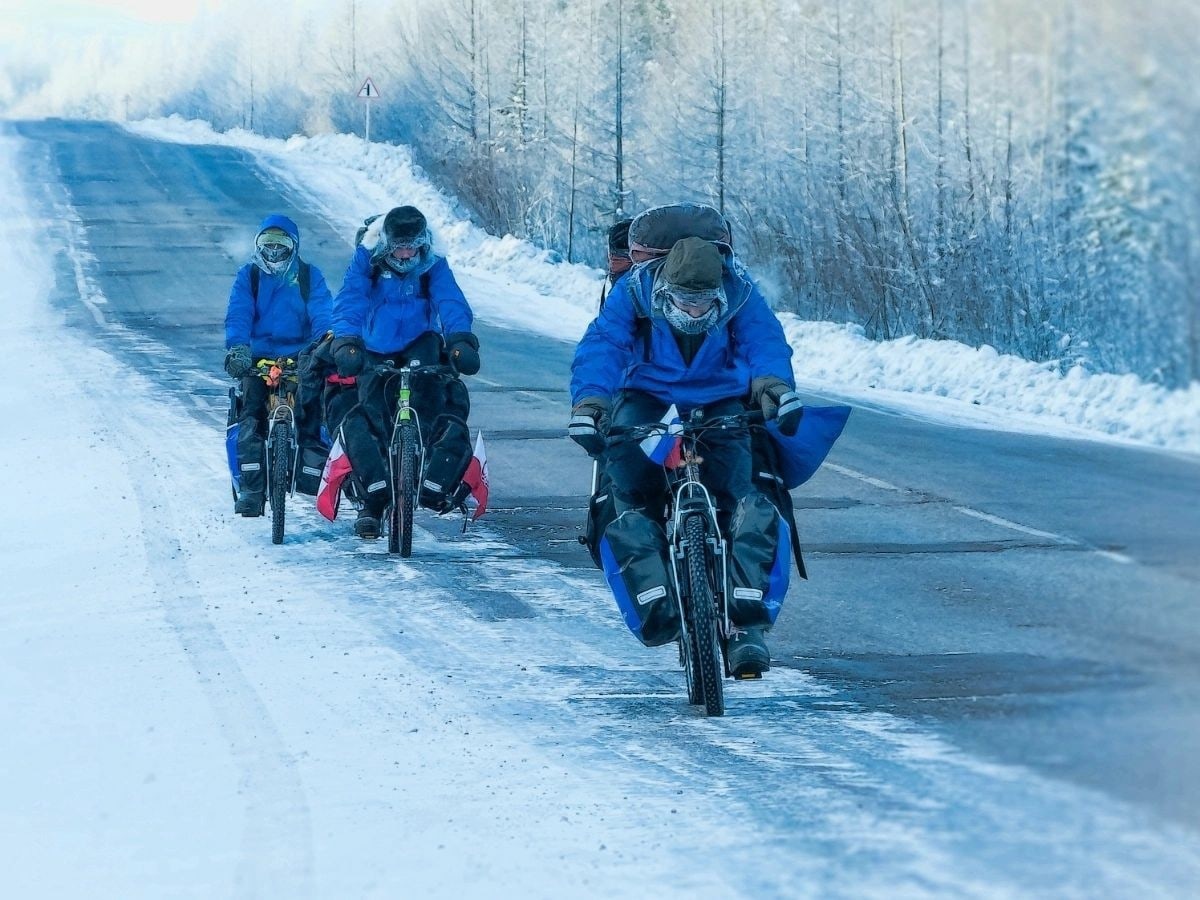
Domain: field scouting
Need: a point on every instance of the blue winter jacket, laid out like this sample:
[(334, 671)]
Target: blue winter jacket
[(388, 311), (746, 342), (279, 322)]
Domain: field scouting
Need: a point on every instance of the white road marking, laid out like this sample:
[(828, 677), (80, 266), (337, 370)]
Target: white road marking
[(1015, 526), (986, 517)]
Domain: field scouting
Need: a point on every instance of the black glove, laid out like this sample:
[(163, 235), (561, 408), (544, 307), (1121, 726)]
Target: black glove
[(315, 358), (778, 401), (589, 424), (348, 355), (237, 361), (463, 349)]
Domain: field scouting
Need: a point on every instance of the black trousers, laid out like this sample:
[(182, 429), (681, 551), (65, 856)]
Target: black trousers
[(639, 483), (367, 428), (252, 430)]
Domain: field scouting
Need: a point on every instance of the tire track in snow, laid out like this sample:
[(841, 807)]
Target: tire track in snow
[(276, 843), (811, 794)]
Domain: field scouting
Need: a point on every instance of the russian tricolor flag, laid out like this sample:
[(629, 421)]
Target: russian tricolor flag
[(663, 447)]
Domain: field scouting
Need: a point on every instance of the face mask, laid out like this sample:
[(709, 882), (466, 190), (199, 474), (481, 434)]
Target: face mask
[(274, 250)]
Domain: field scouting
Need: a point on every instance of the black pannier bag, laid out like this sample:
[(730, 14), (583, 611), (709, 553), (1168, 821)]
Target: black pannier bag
[(231, 435), (447, 448), (310, 465), (759, 559), (446, 460), (641, 582), (602, 509), (770, 483)]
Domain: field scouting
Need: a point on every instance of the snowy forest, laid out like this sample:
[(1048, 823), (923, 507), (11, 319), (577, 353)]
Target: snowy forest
[(1005, 172)]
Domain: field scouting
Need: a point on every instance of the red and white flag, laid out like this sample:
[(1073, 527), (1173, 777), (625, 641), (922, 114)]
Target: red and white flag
[(337, 467), (476, 477)]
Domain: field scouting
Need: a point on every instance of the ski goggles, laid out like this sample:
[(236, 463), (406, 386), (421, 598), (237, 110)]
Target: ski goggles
[(406, 249), (275, 246), (695, 302)]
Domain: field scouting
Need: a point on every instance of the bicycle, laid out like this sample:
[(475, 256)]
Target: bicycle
[(282, 447), (406, 452), (699, 557)]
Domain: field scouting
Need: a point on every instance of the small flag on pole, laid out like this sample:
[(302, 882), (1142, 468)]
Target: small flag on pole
[(337, 468), (663, 446), (476, 477)]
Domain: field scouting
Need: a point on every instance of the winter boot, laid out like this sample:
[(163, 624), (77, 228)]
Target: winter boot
[(249, 504), (366, 526), (747, 652)]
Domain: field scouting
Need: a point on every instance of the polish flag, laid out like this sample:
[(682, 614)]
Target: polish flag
[(663, 447), (476, 477), (337, 467)]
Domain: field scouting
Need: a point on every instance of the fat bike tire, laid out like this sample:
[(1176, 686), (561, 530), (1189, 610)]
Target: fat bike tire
[(701, 609), (281, 460), (404, 492), (691, 669)]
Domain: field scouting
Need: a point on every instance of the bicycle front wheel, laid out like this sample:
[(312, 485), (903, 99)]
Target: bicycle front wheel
[(279, 449), (701, 610), (404, 491)]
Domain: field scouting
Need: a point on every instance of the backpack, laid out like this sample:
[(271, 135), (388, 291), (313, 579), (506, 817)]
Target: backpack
[(657, 229), (304, 277)]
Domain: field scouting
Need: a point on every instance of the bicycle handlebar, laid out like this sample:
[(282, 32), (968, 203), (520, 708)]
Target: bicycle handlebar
[(286, 363), (387, 368), (274, 371), (747, 419)]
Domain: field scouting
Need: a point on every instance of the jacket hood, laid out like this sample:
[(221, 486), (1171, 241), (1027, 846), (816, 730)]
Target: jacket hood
[(283, 223)]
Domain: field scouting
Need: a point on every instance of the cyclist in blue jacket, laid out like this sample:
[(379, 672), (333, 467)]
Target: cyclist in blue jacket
[(688, 328), (399, 302), (279, 304)]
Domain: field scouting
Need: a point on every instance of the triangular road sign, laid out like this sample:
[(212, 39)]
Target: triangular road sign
[(368, 90)]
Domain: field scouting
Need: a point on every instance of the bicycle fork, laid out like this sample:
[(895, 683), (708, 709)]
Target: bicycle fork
[(282, 412), (716, 552)]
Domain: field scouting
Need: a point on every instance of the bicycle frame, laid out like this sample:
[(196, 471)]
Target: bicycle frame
[(689, 497), (406, 446), (404, 410), (281, 406)]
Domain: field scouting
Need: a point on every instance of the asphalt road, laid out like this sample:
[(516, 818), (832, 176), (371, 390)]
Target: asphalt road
[(1034, 600)]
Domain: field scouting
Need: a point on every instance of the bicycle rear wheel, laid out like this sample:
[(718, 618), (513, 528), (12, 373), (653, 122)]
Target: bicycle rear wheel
[(404, 491), (279, 448), (701, 610)]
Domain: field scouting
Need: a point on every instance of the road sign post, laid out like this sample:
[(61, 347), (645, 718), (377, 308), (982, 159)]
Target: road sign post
[(368, 92)]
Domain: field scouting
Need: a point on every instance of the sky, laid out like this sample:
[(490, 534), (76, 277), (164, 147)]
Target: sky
[(190, 713), (69, 11)]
